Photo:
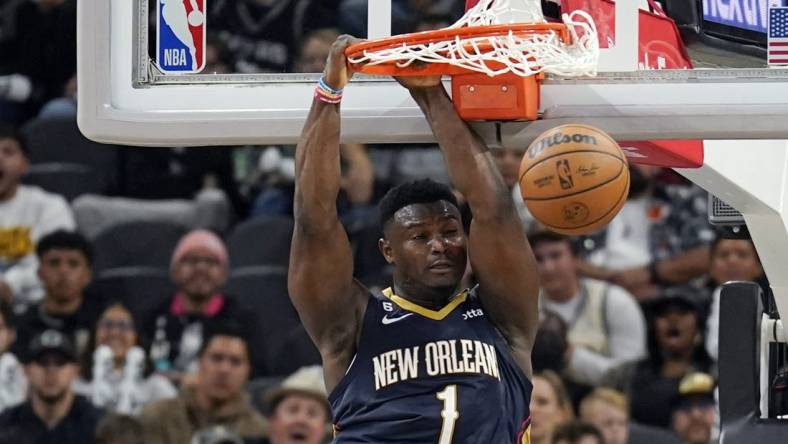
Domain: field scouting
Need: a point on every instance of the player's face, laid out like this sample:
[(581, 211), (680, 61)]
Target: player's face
[(546, 411), (693, 423), (298, 419), (224, 368), (115, 329), (676, 329), (611, 421), (50, 376), (13, 165), (735, 260), (427, 245), (557, 266), (65, 273), (508, 162), (199, 274)]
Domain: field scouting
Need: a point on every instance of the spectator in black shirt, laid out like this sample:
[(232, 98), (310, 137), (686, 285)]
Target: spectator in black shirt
[(53, 414), (199, 270), (38, 55), (65, 270)]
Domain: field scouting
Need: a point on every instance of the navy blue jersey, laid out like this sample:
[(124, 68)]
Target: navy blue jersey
[(425, 376)]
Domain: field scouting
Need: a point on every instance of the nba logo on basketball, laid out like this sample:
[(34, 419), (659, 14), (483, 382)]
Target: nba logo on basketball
[(180, 36)]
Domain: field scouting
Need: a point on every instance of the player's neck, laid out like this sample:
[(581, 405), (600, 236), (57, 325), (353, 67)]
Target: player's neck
[(427, 297)]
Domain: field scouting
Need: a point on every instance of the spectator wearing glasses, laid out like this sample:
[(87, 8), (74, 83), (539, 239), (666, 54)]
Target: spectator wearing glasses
[(53, 413), (115, 376), (217, 398), (199, 269)]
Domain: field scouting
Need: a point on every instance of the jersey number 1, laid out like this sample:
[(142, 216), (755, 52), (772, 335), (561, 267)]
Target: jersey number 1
[(449, 413)]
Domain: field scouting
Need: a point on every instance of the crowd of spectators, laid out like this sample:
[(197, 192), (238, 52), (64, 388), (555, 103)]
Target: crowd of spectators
[(154, 308)]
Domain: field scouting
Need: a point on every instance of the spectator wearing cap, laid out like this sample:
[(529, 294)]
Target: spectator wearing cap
[(694, 409), (27, 213), (606, 326), (65, 270), (13, 385), (675, 347), (217, 398), (53, 413), (198, 269), (299, 410)]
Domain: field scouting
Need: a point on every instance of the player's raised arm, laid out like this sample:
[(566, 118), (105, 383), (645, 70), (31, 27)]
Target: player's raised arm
[(499, 253), (320, 276)]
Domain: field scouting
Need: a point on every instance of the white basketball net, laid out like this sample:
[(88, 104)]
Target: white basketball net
[(524, 55)]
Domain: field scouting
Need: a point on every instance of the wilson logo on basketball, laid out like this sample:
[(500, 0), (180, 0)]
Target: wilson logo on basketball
[(559, 138), (564, 174)]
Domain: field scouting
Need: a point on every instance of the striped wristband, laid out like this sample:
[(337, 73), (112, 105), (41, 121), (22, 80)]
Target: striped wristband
[(327, 94)]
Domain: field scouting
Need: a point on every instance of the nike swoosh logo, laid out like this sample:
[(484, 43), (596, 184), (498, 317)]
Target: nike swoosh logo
[(387, 320)]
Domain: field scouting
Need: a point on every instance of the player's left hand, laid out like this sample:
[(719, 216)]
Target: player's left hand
[(337, 74)]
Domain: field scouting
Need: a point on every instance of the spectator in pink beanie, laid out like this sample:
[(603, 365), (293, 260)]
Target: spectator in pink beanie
[(199, 269)]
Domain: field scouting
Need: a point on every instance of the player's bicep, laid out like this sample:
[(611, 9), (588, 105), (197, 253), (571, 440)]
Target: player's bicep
[(321, 285), (505, 268)]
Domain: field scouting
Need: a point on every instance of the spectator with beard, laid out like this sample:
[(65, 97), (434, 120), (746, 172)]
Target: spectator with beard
[(53, 414), (675, 347), (199, 269), (27, 213), (694, 411), (13, 385), (299, 408), (216, 399), (660, 239)]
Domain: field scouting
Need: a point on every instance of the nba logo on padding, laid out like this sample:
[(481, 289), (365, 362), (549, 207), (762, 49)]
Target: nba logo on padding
[(180, 36)]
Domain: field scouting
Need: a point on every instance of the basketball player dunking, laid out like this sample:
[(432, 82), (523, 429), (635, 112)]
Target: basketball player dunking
[(426, 361)]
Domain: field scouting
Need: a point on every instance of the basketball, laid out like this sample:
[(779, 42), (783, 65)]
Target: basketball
[(574, 179)]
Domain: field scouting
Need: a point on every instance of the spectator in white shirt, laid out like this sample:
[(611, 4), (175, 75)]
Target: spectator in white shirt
[(606, 325)]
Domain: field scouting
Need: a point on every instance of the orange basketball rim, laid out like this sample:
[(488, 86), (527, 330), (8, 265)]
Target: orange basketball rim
[(466, 35)]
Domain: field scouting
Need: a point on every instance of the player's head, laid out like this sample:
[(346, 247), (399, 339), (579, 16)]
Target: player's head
[(423, 236), (13, 160)]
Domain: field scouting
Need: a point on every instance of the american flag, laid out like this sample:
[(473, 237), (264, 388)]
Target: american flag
[(778, 36)]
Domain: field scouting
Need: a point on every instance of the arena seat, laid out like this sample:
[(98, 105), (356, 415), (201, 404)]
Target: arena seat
[(260, 241), (136, 243), (140, 289), (280, 342), (70, 180), (59, 140)]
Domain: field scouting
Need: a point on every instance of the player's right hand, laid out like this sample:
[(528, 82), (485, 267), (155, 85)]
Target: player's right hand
[(336, 74)]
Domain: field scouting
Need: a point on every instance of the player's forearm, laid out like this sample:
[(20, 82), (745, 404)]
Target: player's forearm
[(317, 174), (468, 161)]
